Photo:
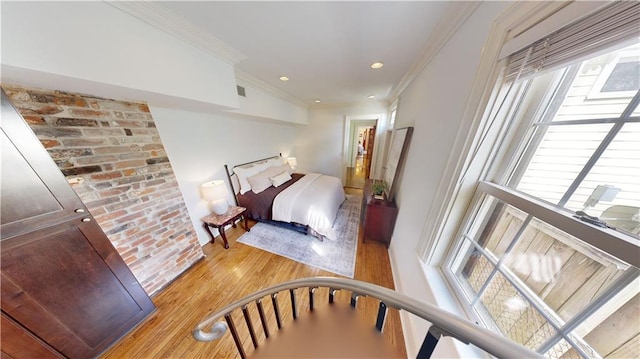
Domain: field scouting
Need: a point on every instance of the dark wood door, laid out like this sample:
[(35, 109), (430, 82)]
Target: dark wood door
[(62, 279), (371, 136), (23, 344)]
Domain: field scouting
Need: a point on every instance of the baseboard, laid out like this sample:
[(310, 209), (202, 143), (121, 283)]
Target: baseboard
[(407, 330), (177, 277)]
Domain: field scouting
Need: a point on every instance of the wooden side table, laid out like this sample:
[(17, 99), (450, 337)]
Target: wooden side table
[(220, 220), (378, 217)]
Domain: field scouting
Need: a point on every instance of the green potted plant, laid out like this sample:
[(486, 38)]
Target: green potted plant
[(378, 188)]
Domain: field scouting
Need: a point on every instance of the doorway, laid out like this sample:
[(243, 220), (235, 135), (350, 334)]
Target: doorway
[(361, 152)]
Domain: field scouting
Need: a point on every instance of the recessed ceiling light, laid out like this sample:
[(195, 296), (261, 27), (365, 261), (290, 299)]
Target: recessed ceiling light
[(371, 96), (284, 78), (317, 101), (377, 65)]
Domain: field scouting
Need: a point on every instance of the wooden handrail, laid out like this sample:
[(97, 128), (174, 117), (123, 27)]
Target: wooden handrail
[(443, 322)]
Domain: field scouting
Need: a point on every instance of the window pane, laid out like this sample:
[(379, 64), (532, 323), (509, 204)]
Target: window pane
[(603, 86), (625, 76), (560, 156), (618, 334), (565, 273), (474, 271), (562, 350), (562, 274), (501, 227), (617, 171), (513, 315)]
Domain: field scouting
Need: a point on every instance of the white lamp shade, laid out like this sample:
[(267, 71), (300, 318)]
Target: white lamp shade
[(293, 162), (216, 193), (214, 190)]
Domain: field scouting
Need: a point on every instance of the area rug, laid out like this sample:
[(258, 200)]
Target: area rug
[(337, 256)]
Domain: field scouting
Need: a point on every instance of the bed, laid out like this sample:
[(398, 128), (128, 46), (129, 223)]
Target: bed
[(274, 194)]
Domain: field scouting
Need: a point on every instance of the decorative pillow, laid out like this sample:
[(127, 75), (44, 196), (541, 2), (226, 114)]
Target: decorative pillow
[(260, 181), (273, 171), (280, 178), (248, 171)]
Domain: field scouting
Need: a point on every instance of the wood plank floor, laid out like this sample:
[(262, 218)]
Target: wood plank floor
[(356, 176), (227, 275)]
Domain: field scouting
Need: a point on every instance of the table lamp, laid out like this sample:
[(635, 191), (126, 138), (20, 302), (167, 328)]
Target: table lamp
[(216, 193), (293, 162)]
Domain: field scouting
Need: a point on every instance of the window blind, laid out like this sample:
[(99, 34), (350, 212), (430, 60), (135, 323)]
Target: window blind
[(615, 23)]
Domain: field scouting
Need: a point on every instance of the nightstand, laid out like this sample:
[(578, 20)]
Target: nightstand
[(218, 221), (378, 217)]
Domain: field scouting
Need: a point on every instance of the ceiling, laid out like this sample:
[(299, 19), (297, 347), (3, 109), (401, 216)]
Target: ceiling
[(325, 48)]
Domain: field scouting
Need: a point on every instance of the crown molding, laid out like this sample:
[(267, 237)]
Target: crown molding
[(163, 19), (243, 78), (158, 16), (338, 105), (457, 13)]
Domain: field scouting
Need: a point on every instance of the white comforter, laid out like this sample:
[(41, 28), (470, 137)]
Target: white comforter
[(314, 201)]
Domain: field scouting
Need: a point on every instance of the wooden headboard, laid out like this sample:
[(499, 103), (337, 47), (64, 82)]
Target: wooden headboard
[(234, 183)]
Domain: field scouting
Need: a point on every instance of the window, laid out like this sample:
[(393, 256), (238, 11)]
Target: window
[(618, 77), (526, 265)]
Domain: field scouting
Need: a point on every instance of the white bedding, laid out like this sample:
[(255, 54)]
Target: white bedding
[(313, 200)]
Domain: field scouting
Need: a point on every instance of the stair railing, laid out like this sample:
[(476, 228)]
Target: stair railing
[(442, 322)]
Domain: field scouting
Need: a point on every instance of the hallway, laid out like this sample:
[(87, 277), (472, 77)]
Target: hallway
[(356, 176)]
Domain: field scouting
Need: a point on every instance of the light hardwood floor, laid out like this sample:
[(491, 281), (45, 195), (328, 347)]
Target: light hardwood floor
[(227, 275), (356, 176)]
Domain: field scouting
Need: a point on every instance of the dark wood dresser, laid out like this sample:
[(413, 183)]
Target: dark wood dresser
[(378, 217)]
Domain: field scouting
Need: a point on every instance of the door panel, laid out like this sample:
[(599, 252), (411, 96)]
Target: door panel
[(62, 280), (371, 135), (23, 344), (18, 174), (34, 191)]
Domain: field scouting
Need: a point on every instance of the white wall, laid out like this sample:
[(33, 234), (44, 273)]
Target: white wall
[(319, 146), (95, 48), (200, 144), (261, 104), (434, 104)]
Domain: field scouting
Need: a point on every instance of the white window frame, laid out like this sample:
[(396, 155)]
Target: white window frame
[(456, 190), (503, 161), (596, 91), (519, 26)]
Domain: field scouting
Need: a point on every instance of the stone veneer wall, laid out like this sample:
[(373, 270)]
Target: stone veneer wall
[(129, 185)]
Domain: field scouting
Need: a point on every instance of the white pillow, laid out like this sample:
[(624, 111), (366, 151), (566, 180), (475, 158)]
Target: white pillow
[(274, 162), (246, 172), (282, 168), (273, 171), (261, 166), (260, 181), (280, 178), (243, 173)]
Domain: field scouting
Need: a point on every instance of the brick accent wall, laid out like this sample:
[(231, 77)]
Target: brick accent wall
[(128, 183)]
